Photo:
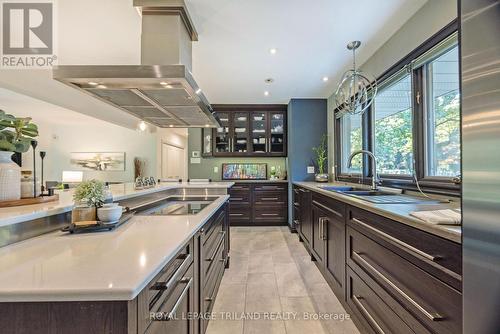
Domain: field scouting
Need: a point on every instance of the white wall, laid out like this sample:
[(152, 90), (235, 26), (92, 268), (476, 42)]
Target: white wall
[(427, 21), (63, 131)]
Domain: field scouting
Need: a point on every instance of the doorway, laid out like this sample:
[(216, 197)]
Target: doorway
[(173, 161)]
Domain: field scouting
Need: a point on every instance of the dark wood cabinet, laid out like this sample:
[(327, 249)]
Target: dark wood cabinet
[(393, 278), (248, 130), (258, 203)]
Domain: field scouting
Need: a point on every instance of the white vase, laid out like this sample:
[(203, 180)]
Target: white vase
[(10, 177)]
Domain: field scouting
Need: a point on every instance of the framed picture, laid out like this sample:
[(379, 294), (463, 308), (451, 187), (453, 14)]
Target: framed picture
[(244, 171), (98, 161)]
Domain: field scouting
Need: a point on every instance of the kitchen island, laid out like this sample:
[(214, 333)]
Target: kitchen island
[(116, 281)]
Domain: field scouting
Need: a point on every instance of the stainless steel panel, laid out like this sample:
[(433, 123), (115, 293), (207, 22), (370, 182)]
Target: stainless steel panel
[(480, 53)]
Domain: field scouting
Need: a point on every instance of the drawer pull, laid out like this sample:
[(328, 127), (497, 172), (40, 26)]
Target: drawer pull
[(270, 214), (269, 198), (171, 314), (235, 198), (303, 190), (403, 244), (296, 204), (322, 222), (167, 285), (236, 214), (336, 213), (296, 222), (431, 315), (356, 300), (210, 259)]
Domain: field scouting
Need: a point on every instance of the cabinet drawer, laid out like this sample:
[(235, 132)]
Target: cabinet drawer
[(434, 303), (440, 257), (374, 313), (242, 197), (240, 213), (212, 280), (270, 197), (271, 187), (210, 254), (240, 187), (270, 213)]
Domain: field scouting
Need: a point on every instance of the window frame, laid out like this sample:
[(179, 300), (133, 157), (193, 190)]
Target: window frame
[(417, 68)]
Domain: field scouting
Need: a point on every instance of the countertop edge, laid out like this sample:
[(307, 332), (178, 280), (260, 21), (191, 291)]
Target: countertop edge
[(438, 230)]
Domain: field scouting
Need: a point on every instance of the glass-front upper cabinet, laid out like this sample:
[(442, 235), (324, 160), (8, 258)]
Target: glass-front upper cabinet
[(277, 133), (222, 135), (239, 140), (259, 133)]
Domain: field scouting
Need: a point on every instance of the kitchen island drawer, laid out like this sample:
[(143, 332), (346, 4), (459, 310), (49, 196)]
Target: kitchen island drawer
[(375, 315), (439, 257), (432, 302)]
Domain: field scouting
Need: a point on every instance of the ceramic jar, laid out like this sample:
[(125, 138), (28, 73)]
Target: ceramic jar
[(10, 177)]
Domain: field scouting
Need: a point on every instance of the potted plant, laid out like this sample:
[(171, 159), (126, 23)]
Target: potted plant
[(88, 196), (16, 135), (321, 153)]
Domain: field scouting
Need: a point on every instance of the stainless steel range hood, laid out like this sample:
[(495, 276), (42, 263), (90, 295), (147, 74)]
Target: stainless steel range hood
[(160, 91)]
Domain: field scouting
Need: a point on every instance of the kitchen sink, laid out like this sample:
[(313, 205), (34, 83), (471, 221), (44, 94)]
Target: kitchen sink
[(375, 196)]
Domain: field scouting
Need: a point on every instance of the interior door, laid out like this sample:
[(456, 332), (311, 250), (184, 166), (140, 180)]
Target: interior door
[(173, 163)]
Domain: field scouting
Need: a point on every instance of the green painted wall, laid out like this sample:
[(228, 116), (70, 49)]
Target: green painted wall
[(206, 168)]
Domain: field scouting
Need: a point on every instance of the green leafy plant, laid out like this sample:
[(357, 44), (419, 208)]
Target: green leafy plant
[(90, 193), (16, 133), (321, 153)]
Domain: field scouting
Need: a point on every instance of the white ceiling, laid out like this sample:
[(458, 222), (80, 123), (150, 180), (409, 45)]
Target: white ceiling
[(231, 58)]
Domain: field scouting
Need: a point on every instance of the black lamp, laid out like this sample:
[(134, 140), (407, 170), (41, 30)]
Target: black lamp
[(34, 143), (42, 156)]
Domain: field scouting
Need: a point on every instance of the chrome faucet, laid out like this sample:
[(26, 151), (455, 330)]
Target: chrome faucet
[(375, 179)]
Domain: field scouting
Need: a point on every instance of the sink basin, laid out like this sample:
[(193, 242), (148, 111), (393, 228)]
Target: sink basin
[(375, 196)]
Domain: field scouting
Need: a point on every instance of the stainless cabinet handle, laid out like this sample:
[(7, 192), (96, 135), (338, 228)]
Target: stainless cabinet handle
[(321, 222), (356, 300), (296, 222), (235, 198), (236, 214), (214, 254), (296, 204), (403, 244), (434, 316), (269, 198), (270, 214), (324, 228), (179, 301), (173, 280)]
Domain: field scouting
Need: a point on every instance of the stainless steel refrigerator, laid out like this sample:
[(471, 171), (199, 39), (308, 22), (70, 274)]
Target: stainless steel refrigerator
[(480, 70)]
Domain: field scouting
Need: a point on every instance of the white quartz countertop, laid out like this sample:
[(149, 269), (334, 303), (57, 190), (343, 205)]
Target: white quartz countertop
[(122, 191), (397, 212), (113, 265)]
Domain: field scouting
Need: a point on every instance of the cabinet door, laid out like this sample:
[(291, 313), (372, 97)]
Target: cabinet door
[(277, 133), (222, 137), (335, 250), (305, 227), (259, 133), (319, 217), (239, 138)]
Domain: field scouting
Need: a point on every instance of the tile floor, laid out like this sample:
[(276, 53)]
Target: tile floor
[(277, 280)]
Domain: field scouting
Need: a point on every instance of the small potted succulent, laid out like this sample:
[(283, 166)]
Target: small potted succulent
[(16, 135), (321, 153), (88, 196)]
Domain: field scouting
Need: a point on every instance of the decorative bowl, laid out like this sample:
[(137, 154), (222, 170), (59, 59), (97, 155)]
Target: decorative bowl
[(109, 213), (321, 178)]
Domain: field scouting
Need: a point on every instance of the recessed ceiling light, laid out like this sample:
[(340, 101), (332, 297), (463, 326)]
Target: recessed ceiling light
[(101, 86), (325, 79), (273, 51), (92, 83), (266, 93), (269, 80), (142, 126)]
